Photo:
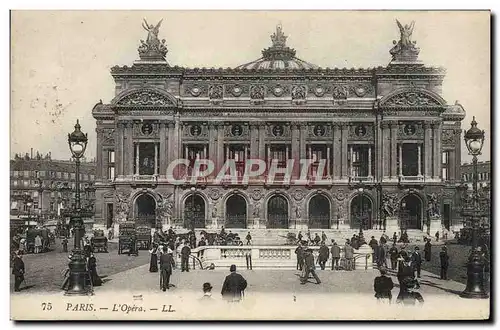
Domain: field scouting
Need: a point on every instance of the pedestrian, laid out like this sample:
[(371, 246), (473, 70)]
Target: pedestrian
[(383, 238), (445, 262), (207, 292), (393, 254), (234, 286), (405, 269), (373, 244), (437, 236), (349, 256), (324, 253), (317, 239), (65, 244), (299, 236), (249, 239), (395, 237), (381, 256), (427, 250), (22, 246), (185, 252), (167, 264), (201, 243), (132, 246), (92, 269), (335, 255), (18, 271), (408, 294), (416, 261), (383, 286), (299, 251), (153, 262), (323, 237), (248, 259), (310, 268), (38, 244)]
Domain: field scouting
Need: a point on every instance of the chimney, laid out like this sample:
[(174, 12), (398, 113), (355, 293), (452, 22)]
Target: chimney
[(31, 156)]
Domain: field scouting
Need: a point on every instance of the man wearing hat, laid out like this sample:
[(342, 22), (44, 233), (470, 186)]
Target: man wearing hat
[(18, 271), (310, 268), (167, 263), (207, 291), (445, 260), (416, 261), (234, 286)]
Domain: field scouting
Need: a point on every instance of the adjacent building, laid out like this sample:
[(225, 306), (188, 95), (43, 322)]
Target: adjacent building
[(382, 143), (41, 187), (483, 173)]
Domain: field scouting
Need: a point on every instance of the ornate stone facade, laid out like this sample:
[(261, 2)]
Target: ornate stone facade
[(362, 123)]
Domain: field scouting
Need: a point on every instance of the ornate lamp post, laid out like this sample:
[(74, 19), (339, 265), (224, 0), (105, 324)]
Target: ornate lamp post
[(193, 192), (77, 142), (361, 222), (474, 140)]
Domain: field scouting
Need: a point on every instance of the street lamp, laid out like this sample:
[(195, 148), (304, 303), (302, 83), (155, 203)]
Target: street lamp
[(361, 238), (474, 140), (77, 142)]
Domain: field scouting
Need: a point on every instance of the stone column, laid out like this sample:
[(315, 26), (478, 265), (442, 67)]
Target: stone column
[(345, 130), (303, 141), (136, 159), (254, 141), (437, 150), (156, 159), (451, 165), (351, 168), (295, 150), (163, 148), (427, 150), (105, 163), (130, 148), (400, 159), (337, 152), (212, 147), (119, 147), (327, 161), (385, 150), (369, 161), (394, 133), (99, 159), (419, 160), (220, 147)]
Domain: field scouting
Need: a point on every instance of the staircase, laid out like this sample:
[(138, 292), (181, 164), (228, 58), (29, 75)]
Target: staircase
[(270, 237)]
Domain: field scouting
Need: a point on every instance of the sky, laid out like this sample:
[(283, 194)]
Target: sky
[(60, 60)]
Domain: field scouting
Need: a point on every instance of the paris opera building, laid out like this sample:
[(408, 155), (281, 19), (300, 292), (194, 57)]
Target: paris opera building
[(375, 147)]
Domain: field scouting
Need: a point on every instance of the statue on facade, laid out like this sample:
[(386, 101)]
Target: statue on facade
[(152, 48), (433, 207), (340, 211), (164, 207), (297, 212), (389, 204), (405, 49), (214, 211), (256, 211), (122, 207)]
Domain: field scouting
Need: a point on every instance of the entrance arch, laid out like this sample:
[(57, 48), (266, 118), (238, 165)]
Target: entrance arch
[(236, 212), (319, 212), (361, 212), (145, 210), (411, 212), (194, 211), (277, 212)]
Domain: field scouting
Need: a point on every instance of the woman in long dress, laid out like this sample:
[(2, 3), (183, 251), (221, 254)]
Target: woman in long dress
[(92, 266), (153, 265)]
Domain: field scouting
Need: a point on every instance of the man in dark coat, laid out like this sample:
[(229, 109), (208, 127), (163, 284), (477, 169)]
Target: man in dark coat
[(349, 256), (335, 255), (201, 243), (445, 262), (381, 256), (427, 250), (383, 285), (393, 254), (317, 239), (92, 269), (299, 251), (185, 252), (167, 264), (374, 244), (416, 261), (234, 286), (324, 253), (310, 268), (323, 237), (18, 271)]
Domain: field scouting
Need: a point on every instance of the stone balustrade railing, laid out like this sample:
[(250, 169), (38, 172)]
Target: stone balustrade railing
[(277, 257)]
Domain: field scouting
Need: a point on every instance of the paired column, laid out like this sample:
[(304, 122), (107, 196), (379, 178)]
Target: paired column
[(137, 159), (156, 159), (419, 160), (427, 150), (296, 150), (344, 129), (400, 160), (369, 161), (437, 149), (394, 133), (163, 147), (130, 148), (385, 150), (337, 152)]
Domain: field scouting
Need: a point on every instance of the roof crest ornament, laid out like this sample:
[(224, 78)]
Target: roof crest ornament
[(279, 49), (278, 38), (152, 49), (405, 50)]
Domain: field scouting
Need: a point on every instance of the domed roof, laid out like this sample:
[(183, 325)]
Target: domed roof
[(454, 112), (278, 56)]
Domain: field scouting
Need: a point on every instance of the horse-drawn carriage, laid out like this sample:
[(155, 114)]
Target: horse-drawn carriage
[(127, 236), (224, 239), (143, 235), (99, 241)]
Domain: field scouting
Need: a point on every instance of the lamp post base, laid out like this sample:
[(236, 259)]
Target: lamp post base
[(475, 278), (78, 274)]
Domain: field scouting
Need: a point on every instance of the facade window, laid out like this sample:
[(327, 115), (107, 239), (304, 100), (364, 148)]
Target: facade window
[(52, 194), (407, 159), (238, 153), (35, 194), (15, 183), (51, 207), (192, 152), (59, 175), (362, 164), (73, 176), (26, 183), (111, 165), (16, 173), (445, 166), (26, 174)]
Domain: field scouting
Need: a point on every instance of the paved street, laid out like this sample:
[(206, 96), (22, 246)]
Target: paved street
[(44, 271)]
